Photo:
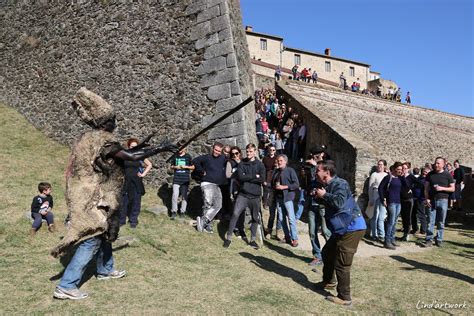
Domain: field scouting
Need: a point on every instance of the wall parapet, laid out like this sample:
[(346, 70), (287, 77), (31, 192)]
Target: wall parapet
[(371, 129)]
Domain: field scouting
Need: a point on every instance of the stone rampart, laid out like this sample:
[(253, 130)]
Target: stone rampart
[(168, 67)]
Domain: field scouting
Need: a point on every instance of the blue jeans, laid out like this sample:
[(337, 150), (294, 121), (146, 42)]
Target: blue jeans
[(377, 221), (38, 219), (393, 212), (286, 209), (437, 213), (301, 205), (313, 225), (95, 246)]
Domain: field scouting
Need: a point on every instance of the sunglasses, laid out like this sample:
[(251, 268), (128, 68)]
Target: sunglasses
[(235, 153)]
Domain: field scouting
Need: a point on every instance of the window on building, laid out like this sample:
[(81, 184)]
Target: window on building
[(263, 44), (327, 66), (352, 71), (297, 59)]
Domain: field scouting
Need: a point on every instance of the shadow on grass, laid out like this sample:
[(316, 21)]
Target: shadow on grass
[(466, 254), (284, 252), (470, 235), (373, 243), (433, 269), (461, 226), (164, 193), (459, 244), (284, 271), (222, 227)]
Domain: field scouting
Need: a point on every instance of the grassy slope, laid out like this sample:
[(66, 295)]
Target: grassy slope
[(173, 269)]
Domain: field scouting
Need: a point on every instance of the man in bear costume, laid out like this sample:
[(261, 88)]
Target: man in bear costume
[(94, 178)]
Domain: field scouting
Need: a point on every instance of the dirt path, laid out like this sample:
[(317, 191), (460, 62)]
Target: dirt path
[(366, 248)]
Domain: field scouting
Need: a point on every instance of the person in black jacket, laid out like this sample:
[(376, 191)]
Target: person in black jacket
[(212, 169), (251, 174), (407, 200), (419, 209), (458, 176)]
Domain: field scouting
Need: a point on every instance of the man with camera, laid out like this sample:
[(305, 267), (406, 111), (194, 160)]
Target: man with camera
[(347, 226)]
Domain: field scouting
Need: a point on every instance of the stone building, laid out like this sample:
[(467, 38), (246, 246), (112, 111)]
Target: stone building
[(270, 49)]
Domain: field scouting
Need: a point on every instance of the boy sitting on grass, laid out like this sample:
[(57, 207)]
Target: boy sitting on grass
[(41, 208)]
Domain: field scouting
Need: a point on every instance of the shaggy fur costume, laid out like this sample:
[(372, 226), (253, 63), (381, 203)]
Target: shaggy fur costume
[(91, 108), (93, 181)]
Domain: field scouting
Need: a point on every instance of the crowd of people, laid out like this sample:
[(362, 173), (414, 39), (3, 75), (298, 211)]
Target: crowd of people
[(250, 182), (311, 76), (231, 184), (393, 94), (420, 195), (305, 75), (279, 125)]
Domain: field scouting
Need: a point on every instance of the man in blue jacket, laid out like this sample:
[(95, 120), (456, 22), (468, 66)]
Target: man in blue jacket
[(251, 174), (341, 247)]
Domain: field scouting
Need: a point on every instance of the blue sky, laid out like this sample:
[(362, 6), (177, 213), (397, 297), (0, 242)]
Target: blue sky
[(426, 46)]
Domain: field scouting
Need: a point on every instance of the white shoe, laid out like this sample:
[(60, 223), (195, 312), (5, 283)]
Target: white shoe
[(116, 274), (72, 294)]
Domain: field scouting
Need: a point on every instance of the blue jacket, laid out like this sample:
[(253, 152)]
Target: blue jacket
[(337, 193), (287, 177)]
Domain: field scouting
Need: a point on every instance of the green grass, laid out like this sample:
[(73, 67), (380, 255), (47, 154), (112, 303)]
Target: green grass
[(174, 270)]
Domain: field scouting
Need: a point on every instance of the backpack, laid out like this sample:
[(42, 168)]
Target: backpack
[(339, 221)]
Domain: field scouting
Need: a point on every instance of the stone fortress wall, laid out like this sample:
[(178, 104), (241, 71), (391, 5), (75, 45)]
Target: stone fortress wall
[(359, 130), (169, 67)]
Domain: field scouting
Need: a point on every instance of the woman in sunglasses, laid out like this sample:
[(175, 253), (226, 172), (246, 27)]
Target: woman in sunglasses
[(231, 168)]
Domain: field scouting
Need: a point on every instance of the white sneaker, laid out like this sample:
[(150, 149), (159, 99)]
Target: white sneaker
[(72, 294), (116, 274)]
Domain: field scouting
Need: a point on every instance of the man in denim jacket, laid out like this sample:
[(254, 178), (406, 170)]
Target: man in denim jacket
[(340, 249)]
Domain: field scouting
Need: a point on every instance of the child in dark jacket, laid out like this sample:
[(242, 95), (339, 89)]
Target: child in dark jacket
[(41, 208)]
